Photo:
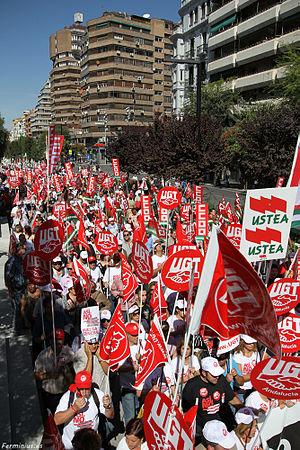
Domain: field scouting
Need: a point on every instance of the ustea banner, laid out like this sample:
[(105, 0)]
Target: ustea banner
[(267, 221)]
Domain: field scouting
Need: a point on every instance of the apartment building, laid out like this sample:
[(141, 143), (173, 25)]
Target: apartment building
[(41, 115), (125, 73), (246, 37), (65, 54), (190, 43), (21, 126)]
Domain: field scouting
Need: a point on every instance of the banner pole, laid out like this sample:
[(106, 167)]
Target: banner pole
[(140, 316), (169, 332), (42, 316), (52, 312)]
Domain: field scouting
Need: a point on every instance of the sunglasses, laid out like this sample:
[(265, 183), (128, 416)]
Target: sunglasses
[(126, 234), (105, 320), (69, 268)]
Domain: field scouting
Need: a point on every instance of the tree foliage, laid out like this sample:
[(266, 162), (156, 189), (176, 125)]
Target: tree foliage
[(171, 148), (217, 101), (3, 138), (262, 143), (289, 86), (27, 147)]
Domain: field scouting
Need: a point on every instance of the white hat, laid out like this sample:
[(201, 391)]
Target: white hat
[(105, 314), (211, 365), (57, 259), (110, 219), (245, 416), (84, 254), (128, 227), (181, 304), (68, 284), (120, 242), (248, 339), (133, 309), (88, 233), (216, 432)]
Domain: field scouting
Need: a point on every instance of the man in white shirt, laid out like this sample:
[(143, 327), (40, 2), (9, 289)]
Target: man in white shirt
[(78, 407), (158, 260)]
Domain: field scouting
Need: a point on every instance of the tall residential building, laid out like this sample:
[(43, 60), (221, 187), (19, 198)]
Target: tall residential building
[(41, 116), (126, 73), (190, 42), (65, 53), (21, 126), (246, 37)]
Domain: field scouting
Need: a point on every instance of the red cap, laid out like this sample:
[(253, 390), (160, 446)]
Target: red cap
[(92, 259), (59, 334), (83, 380), (132, 328)]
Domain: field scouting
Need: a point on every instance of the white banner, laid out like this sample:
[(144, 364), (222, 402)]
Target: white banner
[(90, 323), (266, 225)]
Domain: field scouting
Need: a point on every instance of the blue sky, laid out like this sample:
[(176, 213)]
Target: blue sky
[(24, 35)]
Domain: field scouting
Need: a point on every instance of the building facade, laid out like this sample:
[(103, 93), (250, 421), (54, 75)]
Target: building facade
[(22, 126), (65, 54), (126, 73), (41, 116), (190, 44), (246, 37)]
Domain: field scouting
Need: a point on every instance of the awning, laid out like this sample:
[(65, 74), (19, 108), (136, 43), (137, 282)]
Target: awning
[(222, 24)]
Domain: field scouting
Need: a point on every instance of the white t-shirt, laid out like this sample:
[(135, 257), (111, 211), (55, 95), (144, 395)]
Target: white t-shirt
[(247, 364), (123, 446), (193, 362), (112, 274), (96, 274), (157, 261), (80, 362), (87, 417)]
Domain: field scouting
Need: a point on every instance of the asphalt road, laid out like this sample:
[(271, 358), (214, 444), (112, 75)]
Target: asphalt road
[(20, 416)]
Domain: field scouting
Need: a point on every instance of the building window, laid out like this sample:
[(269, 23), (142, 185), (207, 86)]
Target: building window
[(196, 15), (191, 76), (203, 11), (158, 39), (191, 19)]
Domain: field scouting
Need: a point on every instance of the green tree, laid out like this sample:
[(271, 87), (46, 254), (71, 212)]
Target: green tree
[(289, 86), (216, 100), (38, 148), (263, 143), (3, 138)]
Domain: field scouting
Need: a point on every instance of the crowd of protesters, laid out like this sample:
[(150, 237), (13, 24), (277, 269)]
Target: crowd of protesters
[(90, 403)]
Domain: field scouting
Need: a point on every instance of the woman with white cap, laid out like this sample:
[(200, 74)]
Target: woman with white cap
[(246, 356), (246, 433)]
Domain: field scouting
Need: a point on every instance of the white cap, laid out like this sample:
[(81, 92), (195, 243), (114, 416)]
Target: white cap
[(105, 314), (57, 259), (248, 339), (133, 309), (211, 365), (181, 304), (245, 416), (128, 227), (216, 432), (84, 254), (88, 233)]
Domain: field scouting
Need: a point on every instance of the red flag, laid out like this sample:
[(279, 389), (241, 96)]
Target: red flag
[(128, 279), (51, 439), (181, 235), (139, 233), (81, 235), (190, 419), (69, 170), (155, 354), (17, 198), (158, 302), (83, 277), (56, 144), (229, 282), (114, 347), (294, 178)]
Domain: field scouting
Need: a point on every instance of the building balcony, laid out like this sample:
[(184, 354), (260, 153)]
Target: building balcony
[(221, 64), (289, 38), (222, 38), (256, 80), (223, 12), (259, 21), (260, 51), (244, 3), (289, 7)]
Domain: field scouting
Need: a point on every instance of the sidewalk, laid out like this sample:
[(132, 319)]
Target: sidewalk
[(20, 416)]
